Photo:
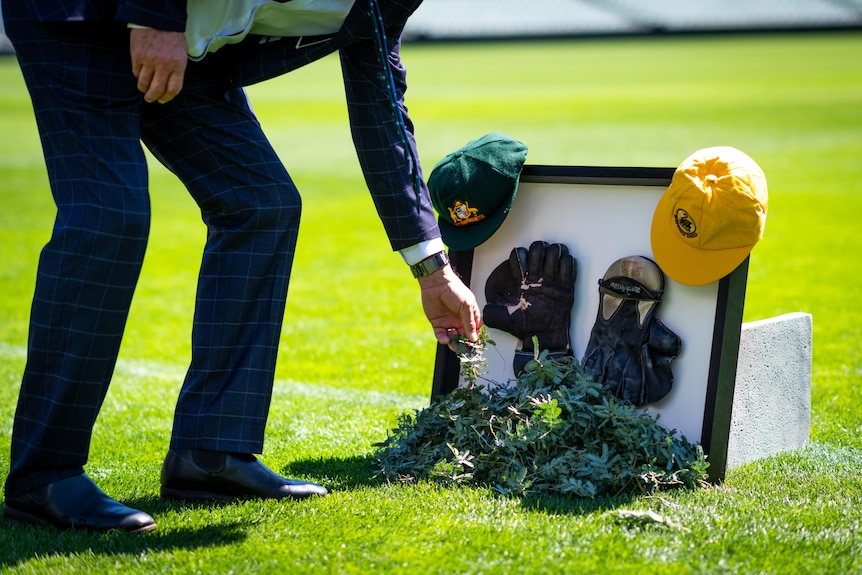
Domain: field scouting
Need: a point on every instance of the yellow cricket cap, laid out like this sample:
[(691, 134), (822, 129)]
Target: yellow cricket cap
[(710, 217)]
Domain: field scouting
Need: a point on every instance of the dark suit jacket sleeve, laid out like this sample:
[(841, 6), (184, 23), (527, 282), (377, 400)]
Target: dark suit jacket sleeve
[(403, 204), (160, 14)]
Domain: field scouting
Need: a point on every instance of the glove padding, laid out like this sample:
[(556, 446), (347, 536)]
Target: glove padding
[(630, 350), (531, 295)]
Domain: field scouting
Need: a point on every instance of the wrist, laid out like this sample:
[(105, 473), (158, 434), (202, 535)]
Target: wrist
[(430, 265), (413, 254)]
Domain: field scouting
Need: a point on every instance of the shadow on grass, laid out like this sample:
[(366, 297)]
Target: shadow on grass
[(336, 472), (359, 471), (21, 542), (571, 505)]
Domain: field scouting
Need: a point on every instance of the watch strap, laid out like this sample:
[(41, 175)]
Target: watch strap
[(429, 265)]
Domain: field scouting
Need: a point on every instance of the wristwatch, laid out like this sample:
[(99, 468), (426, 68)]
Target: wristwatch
[(429, 265)]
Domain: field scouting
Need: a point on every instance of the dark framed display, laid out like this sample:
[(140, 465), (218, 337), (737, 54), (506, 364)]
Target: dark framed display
[(603, 214)]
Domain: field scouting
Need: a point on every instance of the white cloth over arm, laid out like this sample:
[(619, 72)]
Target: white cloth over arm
[(212, 24)]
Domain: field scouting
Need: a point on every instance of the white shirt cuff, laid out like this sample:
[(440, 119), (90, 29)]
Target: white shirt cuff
[(418, 252)]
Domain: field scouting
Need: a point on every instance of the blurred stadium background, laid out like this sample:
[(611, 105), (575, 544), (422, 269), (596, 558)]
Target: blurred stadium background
[(509, 19), (487, 19)]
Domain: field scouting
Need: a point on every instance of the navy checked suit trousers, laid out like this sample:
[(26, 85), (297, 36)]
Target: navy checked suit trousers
[(91, 120)]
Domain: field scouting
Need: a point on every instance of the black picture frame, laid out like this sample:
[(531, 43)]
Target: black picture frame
[(717, 311)]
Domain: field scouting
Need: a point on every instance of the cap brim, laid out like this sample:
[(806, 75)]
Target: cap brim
[(686, 264), (471, 235)]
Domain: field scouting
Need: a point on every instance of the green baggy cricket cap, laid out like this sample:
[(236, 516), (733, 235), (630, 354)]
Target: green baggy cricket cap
[(473, 188)]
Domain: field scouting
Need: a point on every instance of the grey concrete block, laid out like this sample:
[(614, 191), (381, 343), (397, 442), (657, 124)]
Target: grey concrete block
[(772, 396)]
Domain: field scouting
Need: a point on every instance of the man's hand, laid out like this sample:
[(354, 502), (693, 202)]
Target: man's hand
[(158, 62), (450, 306)]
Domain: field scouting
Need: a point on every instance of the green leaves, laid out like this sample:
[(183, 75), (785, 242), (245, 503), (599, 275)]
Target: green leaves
[(553, 431)]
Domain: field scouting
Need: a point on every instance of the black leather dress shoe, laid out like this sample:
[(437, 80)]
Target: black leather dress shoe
[(76, 503), (206, 475)]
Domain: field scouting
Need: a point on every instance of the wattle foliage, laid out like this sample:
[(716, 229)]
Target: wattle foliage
[(554, 431)]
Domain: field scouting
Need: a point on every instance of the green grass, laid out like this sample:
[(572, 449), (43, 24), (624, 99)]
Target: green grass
[(356, 350)]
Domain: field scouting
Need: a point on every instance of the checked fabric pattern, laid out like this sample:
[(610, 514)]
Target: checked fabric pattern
[(210, 138)]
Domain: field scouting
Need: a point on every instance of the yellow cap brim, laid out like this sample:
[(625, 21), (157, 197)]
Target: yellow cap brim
[(682, 262)]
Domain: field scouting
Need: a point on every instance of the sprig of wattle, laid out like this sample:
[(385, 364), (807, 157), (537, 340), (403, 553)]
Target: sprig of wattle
[(554, 430)]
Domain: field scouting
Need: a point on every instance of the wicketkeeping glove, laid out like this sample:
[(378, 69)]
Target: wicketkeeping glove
[(630, 350), (531, 295)]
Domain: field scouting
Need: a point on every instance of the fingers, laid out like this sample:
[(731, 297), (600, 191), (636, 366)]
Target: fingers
[(442, 335), (536, 261), (518, 263), (568, 272), (162, 86), (471, 320), (158, 62), (469, 325), (555, 254), (552, 263), (564, 265), (450, 307)]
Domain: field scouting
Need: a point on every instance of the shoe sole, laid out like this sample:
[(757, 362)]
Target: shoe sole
[(18, 515)]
